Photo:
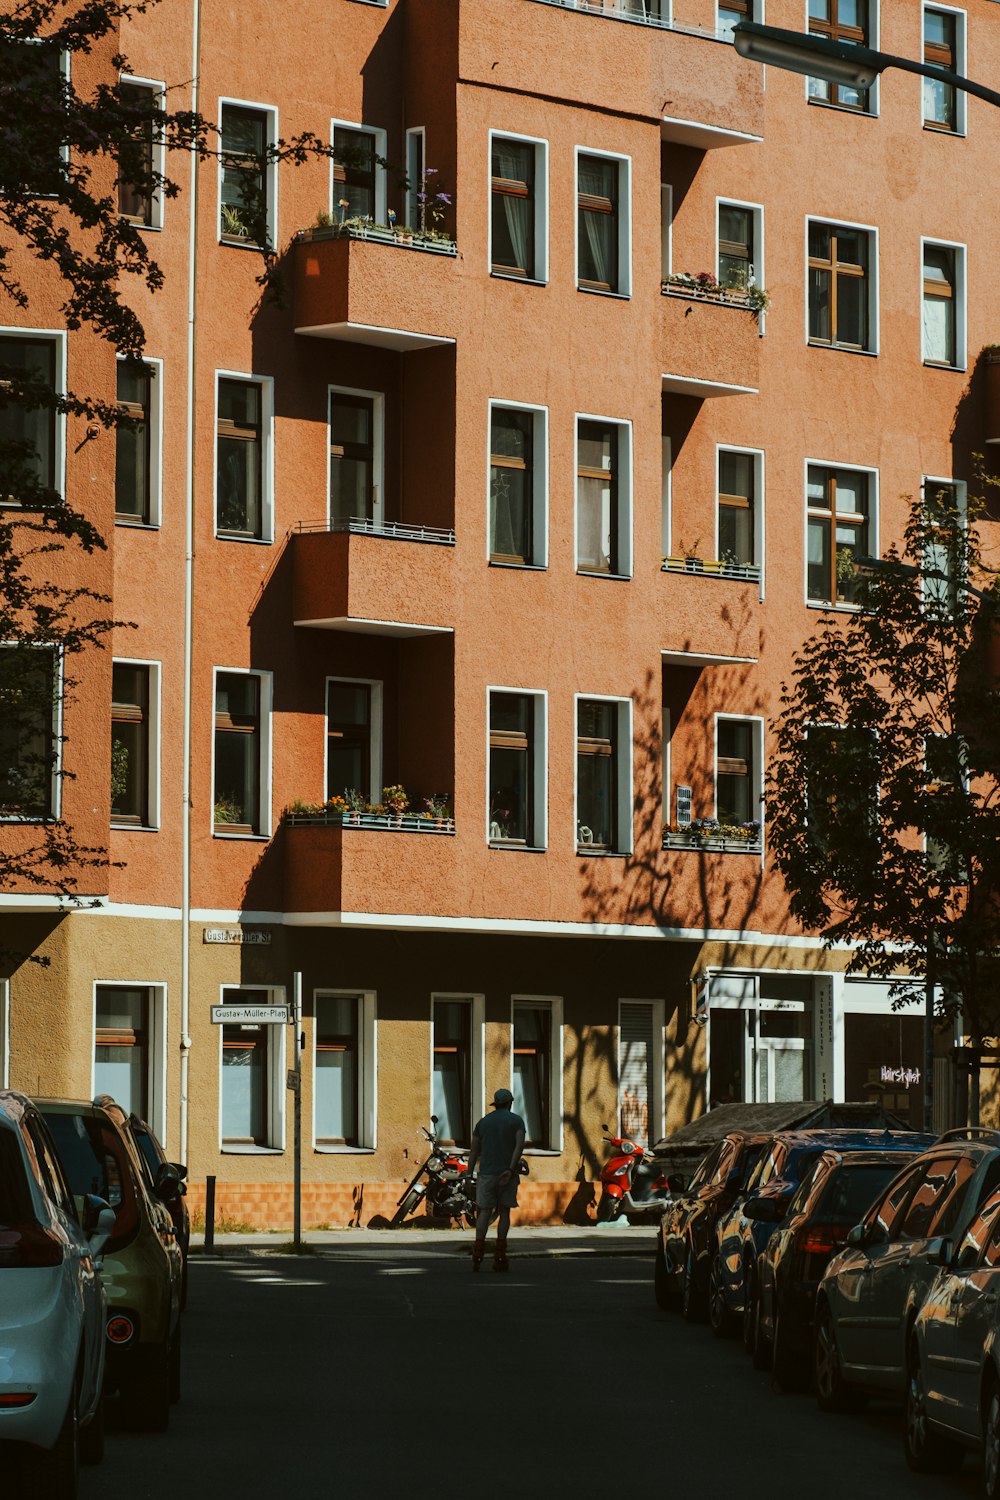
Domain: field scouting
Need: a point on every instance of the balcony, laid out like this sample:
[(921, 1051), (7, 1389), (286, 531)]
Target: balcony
[(374, 578), (710, 568), (569, 52), (710, 346), (331, 868), (700, 625), (370, 285), (707, 835)]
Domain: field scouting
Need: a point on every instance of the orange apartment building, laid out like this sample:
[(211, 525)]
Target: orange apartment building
[(507, 504)]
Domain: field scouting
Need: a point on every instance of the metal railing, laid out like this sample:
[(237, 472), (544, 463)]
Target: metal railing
[(705, 838), (639, 12), (741, 572), (400, 531), (381, 822), (381, 234)]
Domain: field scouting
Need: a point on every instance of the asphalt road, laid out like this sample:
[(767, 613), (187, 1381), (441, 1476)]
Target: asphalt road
[(397, 1372)]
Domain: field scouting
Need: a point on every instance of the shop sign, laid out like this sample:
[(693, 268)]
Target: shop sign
[(245, 936), (906, 1076)]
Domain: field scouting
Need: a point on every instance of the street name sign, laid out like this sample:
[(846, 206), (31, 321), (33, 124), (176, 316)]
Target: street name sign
[(250, 1015)]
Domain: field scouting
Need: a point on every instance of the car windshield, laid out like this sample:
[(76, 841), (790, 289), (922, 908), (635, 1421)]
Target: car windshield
[(748, 1160), (851, 1192), (147, 1150), (16, 1207), (707, 1167)]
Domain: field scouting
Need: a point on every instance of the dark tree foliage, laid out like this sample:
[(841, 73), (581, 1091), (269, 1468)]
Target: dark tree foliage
[(64, 148), (884, 791)]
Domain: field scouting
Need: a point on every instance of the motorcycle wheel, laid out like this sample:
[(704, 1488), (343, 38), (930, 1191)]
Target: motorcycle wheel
[(471, 1218), (608, 1209), (406, 1208)]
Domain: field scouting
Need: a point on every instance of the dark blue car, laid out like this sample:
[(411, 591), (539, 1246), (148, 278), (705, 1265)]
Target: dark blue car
[(785, 1164)]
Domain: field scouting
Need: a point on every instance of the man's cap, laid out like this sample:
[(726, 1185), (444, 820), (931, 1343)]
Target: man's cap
[(503, 1097)]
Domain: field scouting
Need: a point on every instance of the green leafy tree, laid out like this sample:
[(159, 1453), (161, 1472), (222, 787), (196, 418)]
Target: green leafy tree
[(884, 791)]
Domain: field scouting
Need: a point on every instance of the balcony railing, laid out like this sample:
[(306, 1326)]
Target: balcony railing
[(431, 241), (400, 531), (383, 822), (742, 572), (723, 839), (640, 12)]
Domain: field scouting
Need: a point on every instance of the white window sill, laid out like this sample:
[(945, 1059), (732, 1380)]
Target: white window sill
[(595, 291), (938, 364), (236, 536), (842, 348), (248, 838), (234, 1150), (346, 1150), (137, 525), (844, 109), (614, 577), (518, 848), (134, 828), (519, 567), (506, 275)]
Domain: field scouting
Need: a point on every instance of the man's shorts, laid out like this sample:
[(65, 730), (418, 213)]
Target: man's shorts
[(489, 1193)]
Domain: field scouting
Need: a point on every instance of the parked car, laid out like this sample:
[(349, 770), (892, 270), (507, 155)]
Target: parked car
[(872, 1291), (952, 1397), (784, 1165), (52, 1306), (834, 1197), (164, 1179), (142, 1264), (686, 1240)]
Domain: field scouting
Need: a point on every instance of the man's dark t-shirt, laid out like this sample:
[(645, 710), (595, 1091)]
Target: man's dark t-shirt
[(496, 1133)]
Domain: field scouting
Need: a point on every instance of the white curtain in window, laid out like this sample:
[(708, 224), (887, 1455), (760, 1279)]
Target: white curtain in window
[(937, 329), (509, 165)]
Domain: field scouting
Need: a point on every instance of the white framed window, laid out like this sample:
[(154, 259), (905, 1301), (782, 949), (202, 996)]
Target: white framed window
[(943, 107), (641, 1073), (130, 1048), (135, 743), (603, 511), (356, 482), (518, 487), (666, 484), (738, 771), (354, 737), (136, 202), (458, 1065), (251, 1075), (517, 759), (851, 21), (666, 230), (729, 13), (879, 1049), (345, 1071), (603, 222), (241, 753), (842, 303), (416, 161), (841, 524), (761, 1045), (244, 457), (942, 302), (358, 182), (941, 566), (38, 356), (139, 444), (31, 733), (519, 206), (739, 244), (248, 181), (536, 1070), (739, 510), (603, 783)]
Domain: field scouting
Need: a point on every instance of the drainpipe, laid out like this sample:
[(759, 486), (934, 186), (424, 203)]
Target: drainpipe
[(192, 313)]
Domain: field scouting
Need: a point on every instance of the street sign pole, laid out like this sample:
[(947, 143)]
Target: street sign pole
[(297, 1109)]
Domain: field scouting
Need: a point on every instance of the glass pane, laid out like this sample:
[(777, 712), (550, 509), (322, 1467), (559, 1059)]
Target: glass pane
[(727, 1041), (736, 535), (510, 513), (239, 486), (789, 1074), (242, 131), (786, 1023), (352, 496), (819, 241), (236, 695), (121, 1009), (242, 1088), (851, 308), (939, 329), (27, 751), (736, 474), (852, 492), (335, 1094), (851, 13), (511, 434), (509, 794), (132, 471), (529, 1096), (127, 770), (355, 173), (118, 1071), (447, 1096), (735, 224), (596, 798), (820, 326), (818, 559), (351, 422), (239, 402), (235, 778), (510, 711), (347, 768), (883, 1059), (349, 703), (31, 361), (595, 549)]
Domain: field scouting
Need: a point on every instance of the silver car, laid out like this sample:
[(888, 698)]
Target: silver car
[(953, 1359), (872, 1292), (52, 1306)]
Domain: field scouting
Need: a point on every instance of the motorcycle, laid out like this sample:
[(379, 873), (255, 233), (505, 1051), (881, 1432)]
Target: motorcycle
[(448, 1189), (634, 1183)]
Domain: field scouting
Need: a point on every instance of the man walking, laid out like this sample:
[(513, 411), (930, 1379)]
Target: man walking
[(497, 1143)]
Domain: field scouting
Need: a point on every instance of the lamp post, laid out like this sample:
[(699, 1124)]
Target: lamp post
[(845, 63)]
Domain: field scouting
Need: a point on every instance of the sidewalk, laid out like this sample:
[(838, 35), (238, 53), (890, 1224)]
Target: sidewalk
[(531, 1241)]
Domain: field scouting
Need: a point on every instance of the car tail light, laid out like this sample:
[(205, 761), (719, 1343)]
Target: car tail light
[(120, 1329), (17, 1398), (24, 1245), (821, 1239)]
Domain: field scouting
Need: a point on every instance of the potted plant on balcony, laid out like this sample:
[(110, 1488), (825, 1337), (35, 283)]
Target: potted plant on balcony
[(396, 802), (437, 808), (354, 806)]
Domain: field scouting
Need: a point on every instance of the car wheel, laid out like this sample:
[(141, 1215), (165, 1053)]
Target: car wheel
[(991, 1442), (57, 1469), (760, 1348), (832, 1391), (927, 1452), (691, 1301), (720, 1319), (174, 1372), (146, 1395), (663, 1287), (92, 1437)]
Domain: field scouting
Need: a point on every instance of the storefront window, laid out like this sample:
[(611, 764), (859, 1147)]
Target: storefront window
[(884, 1060)]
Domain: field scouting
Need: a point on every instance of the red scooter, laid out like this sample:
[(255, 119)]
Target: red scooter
[(634, 1183)]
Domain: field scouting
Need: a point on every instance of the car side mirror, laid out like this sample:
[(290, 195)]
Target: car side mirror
[(99, 1220), (677, 1182), (857, 1237), (939, 1251), (767, 1210), (180, 1169), (167, 1182)]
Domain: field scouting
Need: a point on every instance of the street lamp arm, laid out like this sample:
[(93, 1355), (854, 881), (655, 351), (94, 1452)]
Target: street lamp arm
[(840, 62)]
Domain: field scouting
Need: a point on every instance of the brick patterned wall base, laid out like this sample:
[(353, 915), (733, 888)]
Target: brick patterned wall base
[(370, 1205)]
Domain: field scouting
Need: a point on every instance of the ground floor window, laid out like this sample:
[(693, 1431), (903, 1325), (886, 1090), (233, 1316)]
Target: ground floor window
[(761, 1038), (640, 1069), (121, 1046), (252, 1081), (452, 1081), (336, 1084), (536, 1070), (884, 1060)]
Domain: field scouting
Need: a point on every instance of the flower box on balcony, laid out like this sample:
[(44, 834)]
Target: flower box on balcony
[(715, 568), (704, 287), (724, 838), (386, 822), (430, 240)]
